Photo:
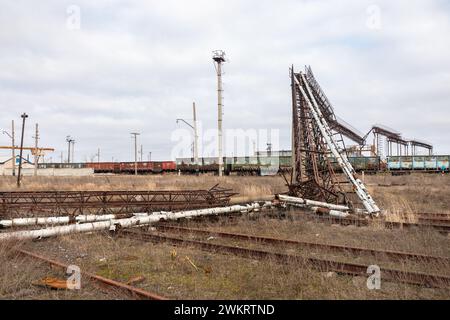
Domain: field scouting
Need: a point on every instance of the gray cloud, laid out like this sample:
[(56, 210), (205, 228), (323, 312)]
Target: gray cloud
[(137, 65)]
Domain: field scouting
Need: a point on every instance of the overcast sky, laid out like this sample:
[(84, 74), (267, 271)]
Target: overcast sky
[(122, 66)]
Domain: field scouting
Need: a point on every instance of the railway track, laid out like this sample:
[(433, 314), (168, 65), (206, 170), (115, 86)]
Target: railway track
[(433, 218), (323, 265), (112, 284), (433, 215), (440, 225), (395, 255)]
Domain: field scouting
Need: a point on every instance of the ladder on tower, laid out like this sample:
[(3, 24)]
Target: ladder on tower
[(336, 146)]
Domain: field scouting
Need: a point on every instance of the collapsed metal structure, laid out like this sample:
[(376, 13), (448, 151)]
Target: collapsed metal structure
[(71, 203), (140, 219), (317, 143)]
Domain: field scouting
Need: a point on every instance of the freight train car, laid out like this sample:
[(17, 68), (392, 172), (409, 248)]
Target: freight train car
[(436, 163), (143, 167), (268, 165), (366, 164), (61, 165)]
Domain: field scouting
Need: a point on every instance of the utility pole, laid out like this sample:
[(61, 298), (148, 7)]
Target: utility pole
[(73, 151), (195, 139), (62, 157), (13, 150), (36, 152), (98, 155), (23, 116), (135, 134), (194, 145), (142, 153), (219, 58), (69, 141), (150, 156)]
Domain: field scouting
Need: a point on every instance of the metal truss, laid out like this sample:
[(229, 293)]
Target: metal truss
[(31, 204), (317, 148)]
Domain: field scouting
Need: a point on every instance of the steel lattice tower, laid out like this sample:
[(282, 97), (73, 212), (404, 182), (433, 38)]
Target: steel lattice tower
[(317, 148)]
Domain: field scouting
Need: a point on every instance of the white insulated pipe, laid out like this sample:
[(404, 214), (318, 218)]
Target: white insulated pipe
[(333, 213), (312, 203), (123, 223), (20, 222)]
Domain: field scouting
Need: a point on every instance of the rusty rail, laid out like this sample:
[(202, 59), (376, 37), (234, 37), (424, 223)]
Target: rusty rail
[(359, 222), (434, 220), (397, 255), (22, 204), (109, 282), (433, 215), (322, 265)]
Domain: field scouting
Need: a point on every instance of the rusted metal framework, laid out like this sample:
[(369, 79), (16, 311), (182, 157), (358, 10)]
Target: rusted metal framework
[(30, 204), (420, 143), (312, 174), (317, 144), (395, 143)]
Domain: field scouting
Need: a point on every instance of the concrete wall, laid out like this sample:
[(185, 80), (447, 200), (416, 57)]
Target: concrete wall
[(51, 172), (6, 168)]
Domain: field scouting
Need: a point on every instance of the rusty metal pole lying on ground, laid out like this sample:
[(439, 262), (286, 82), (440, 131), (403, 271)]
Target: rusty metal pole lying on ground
[(71, 203), (124, 223)]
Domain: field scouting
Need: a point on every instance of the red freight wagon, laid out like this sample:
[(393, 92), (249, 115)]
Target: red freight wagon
[(101, 166), (144, 167), (169, 166)]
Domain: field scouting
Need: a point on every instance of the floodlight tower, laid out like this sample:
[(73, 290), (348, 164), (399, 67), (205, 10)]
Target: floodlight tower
[(70, 143), (219, 58)]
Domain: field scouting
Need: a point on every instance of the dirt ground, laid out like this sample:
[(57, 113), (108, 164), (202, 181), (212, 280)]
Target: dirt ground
[(189, 273)]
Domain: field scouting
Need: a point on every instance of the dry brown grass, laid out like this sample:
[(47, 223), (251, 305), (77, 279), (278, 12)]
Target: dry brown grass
[(227, 276), (399, 196), (402, 196), (232, 277), (20, 273), (246, 186)]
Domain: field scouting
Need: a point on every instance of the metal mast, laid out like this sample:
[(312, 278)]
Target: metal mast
[(316, 148), (219, 58), (135, 134), (23, 116), (69, 141), (13, 149), (195, 138), (36, 152), (73, 150)]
